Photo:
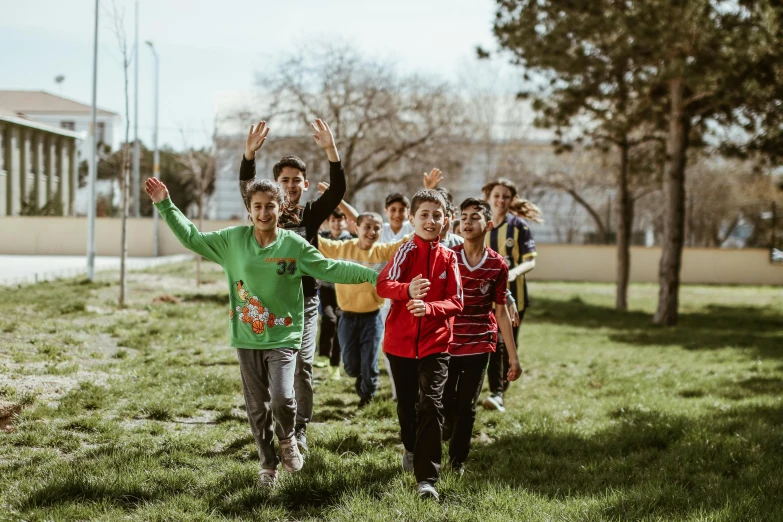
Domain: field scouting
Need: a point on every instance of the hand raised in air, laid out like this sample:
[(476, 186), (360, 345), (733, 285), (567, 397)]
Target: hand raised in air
[(156, 190)]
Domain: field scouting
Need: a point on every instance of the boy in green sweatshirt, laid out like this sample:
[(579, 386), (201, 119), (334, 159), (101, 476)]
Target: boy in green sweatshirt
[(264, 266)]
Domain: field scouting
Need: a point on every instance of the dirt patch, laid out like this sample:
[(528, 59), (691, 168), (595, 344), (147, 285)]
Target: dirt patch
[(8, 413)]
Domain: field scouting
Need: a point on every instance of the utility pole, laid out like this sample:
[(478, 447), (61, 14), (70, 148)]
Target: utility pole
[(136, 152), (92, 157), (156, 161)]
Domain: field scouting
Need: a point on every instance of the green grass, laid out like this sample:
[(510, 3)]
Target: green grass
[(138, 414)]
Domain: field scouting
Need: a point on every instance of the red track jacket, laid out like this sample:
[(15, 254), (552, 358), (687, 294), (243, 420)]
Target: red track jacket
[(417, 337)]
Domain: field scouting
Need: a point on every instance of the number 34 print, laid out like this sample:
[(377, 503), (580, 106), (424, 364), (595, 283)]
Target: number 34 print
[(286, 266)]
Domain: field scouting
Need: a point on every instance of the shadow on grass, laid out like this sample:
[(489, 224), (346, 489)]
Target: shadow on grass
[(717, 327), (679, 464)]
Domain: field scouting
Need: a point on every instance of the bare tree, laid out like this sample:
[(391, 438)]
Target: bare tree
[(117, 17), (389, 127), (200, 165)]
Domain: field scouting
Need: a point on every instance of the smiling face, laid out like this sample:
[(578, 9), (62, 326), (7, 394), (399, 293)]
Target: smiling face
[(369, 230), (294, 184), (429, 220), (500, 199), (397, 214), (336, 226), (264, 212), (473, 223)]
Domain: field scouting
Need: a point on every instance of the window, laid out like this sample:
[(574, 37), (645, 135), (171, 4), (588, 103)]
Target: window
[(70, 125), (100, 132)]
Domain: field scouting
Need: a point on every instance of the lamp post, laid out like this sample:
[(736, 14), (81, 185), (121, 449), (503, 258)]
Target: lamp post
[(93, 167), (156, 160)]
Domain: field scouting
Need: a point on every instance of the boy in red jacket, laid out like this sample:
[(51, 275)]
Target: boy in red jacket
[(424, 284)]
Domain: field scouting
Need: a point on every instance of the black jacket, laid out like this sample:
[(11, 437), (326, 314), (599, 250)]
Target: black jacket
[(312, 215)]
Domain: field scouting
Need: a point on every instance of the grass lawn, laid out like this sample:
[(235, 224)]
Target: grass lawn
[(138, 414)]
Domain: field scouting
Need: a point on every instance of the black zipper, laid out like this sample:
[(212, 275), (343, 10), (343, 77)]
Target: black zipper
[(418, 330)]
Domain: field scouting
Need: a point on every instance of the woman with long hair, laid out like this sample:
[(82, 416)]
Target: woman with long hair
[(511, 238)]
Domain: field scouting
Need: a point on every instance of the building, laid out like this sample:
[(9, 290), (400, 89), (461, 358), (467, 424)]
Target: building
[(39, 166), (56, 111)]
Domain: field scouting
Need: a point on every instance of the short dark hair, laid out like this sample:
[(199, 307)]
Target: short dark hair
[(338, 214), (449, 199), (397, 197), (480, 203), (427, 195), (368, 215), (289, 161)]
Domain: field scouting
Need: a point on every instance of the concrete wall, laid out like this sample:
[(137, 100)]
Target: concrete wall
[(68, 236)]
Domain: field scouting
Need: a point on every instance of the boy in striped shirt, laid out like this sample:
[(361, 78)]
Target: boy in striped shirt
[(484, 277)]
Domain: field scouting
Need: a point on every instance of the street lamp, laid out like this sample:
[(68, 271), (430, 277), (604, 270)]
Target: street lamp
[(93, 167), (156, 160)]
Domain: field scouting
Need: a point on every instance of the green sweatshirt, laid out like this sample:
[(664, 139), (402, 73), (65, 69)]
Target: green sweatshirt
[(266, 304)]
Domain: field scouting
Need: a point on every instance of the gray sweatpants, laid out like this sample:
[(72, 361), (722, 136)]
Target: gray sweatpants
[(303, 381), (268, 386)]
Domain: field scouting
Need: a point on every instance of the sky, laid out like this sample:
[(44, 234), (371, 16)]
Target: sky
[(208, 47)]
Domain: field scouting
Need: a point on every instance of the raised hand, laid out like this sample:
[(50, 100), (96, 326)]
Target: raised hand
[(418, 288), (322, 134), (433, 179), (514, 370), (156, 190), (255, 138), (417, 307)]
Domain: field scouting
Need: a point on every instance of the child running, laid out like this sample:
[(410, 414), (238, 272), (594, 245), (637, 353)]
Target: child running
[(264, 266), (484, 277), (328, 340), (423, 282), (361, 324), (512, 239), (291, 173)]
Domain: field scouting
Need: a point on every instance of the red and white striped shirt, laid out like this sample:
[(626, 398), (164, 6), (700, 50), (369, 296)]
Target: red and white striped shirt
[(475, 328)]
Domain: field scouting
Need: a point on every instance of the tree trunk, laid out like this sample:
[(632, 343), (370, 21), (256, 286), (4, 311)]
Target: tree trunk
[(624, 229), (200, 227), (124, 190), (674, 207)]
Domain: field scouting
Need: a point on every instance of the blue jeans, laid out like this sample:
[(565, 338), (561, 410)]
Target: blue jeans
[(360, 341)]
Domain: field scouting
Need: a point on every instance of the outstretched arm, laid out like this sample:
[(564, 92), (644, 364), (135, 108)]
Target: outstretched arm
[(212, 245)]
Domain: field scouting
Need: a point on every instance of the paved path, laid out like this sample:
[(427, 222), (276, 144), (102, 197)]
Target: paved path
[(16, 270)]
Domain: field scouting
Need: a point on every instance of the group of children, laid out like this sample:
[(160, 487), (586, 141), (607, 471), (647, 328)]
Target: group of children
[(447, 303)]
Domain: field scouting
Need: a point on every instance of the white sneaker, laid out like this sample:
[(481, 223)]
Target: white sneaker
[(427, 490), (267, 478), (407, 460), (292, 457), (494, 402)]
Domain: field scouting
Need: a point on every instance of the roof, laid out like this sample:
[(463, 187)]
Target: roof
[(17, 120), (42, 102)]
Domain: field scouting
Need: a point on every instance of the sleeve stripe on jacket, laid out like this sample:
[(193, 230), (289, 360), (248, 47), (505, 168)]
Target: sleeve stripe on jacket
[(458, 277), (399, 257)]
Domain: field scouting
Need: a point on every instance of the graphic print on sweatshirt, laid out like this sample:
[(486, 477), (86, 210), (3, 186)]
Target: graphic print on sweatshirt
[(253, 313)]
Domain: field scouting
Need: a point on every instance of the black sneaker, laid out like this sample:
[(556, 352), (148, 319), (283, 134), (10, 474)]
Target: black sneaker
[(300, 432), (458, 468), (364, 402), (358, 386)]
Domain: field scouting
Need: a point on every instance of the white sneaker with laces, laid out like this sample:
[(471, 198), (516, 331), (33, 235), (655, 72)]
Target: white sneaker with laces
[(494, 402), (292, 457), (427, 490), (267, 478)]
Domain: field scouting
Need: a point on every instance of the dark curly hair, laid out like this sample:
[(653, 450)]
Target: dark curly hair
[(288, 216), (289, 161)]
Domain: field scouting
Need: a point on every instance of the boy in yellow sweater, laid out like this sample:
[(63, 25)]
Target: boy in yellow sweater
[(361, 326)]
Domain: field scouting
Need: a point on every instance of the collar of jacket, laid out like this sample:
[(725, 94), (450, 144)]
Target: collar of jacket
[(423, 243)]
